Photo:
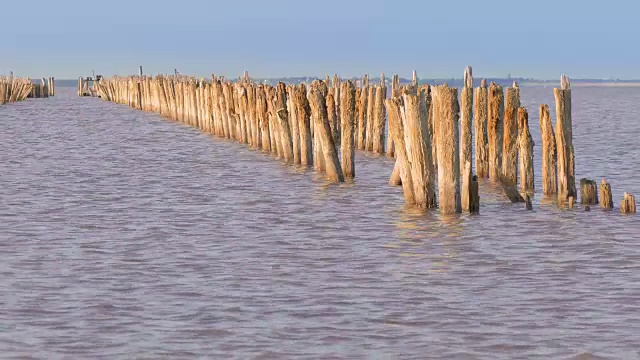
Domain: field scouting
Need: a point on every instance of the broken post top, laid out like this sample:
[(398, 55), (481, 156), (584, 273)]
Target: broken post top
[(483, 83), (468, 77), (564, 82), (414, 80)]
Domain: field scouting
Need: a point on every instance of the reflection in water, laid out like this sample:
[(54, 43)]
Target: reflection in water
[(124, 235)]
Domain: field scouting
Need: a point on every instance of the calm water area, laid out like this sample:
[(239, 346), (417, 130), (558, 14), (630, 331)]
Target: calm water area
[(126, 235)]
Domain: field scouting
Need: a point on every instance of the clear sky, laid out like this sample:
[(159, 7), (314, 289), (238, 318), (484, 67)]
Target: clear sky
[(274, 38)]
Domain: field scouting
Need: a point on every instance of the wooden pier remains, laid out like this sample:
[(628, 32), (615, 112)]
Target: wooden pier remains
[(431, 131), (14, 89)]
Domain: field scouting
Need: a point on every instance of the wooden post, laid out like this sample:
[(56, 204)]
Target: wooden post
[(347, 119), (525, 152), (379, 118), (370, 117), (336, 85), (549, 163), (628, 204), (294, 123), (323, 133), (495, 130), (465, 188), (304, 124), (263, 119), (395, 85), (333, 116), (588, 192), (80, 87), (510, 136), (362, 117), (418, 147), (282, 117), (448, 150), (527, 201), (285, 134), (606, 200), (465, 140), (480, 133), (397, 132), (564, 141)]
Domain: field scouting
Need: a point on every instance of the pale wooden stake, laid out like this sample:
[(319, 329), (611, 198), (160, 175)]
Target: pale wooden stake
[(495, 130), (628, 204), (525, 152), (588, 192), (447, 133), (564, 141), (397, 131), (347, 119), (304, 124), (549, 162), (370, 117), (606, 199), (323, 133), (465, 137), (377, 136), (480, 133), (510, 137)]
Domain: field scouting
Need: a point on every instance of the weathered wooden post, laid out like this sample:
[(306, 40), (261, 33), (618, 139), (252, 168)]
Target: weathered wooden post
[(263, 119), (323, 133), (333, 115), (495, 130), (606, 199), (304, 124), (347, 119), (448, 150), (564, 141), (379, 117), (628, 204), (549, 163), (395, 88), (588, 192), (52, 86), (480, 133), (418, 145), (293, 123), (80, 86), (285, 134), (336, 85), (282, 117), (510, 136), (397, 131), (370, 117), (525, 151), (465, 140), (362, 114)]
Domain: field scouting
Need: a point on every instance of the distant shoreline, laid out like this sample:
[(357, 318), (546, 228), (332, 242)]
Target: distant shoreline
[(451, 82)]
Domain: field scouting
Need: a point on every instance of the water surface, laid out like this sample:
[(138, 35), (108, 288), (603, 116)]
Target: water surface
[(125, 235)]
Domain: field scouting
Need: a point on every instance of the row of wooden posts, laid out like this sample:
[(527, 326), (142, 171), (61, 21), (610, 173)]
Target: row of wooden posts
[(14, 89), (44, 89), (426, 128)]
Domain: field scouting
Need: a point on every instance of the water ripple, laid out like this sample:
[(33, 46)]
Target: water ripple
[(124, 235)]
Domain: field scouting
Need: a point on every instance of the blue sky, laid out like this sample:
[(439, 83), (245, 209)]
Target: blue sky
[(275, 38)]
